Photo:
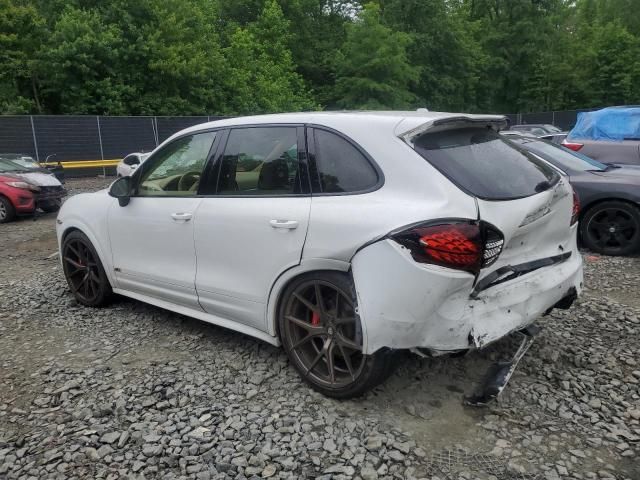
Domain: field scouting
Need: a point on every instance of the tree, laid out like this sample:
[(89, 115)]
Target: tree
[(373, 69), (21, 29), (261, 76)]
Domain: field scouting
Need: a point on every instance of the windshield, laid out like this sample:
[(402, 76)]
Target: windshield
[(486, 164), (26, 162), (9, 166), (562, 157), (552, 129)]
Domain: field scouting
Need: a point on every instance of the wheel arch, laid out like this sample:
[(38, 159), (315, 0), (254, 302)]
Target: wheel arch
[(285, 279)]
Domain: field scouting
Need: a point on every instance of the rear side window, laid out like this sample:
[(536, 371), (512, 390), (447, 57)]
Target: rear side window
[(482, 163), (340, 166)]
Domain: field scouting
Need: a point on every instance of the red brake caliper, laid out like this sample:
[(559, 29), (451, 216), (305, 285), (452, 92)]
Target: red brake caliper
[(315, 319)]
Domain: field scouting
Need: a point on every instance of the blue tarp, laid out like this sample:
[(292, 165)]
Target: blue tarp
[(613, 123)]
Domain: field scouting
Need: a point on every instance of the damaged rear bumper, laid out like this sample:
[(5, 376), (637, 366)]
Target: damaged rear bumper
[(405, 304)]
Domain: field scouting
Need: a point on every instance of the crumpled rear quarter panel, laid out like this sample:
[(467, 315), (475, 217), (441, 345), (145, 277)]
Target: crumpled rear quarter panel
[(405, 304)]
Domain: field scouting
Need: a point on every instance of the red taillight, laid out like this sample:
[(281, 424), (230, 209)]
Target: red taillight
[(572, 145), (575, 213), (467, 246)]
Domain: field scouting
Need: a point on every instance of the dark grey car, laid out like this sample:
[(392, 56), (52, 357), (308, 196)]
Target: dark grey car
[(609, 197)]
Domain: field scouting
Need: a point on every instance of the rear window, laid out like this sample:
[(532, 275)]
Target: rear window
[(484, 164)]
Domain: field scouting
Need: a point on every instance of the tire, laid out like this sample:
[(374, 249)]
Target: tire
[(84, 272), (7, 212), (611, 228), (51, 206), (317, 336)]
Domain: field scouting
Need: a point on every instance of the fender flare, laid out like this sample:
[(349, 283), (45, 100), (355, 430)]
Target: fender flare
[(305, 266)]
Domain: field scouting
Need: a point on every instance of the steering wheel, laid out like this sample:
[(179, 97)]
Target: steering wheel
[(187, 181)]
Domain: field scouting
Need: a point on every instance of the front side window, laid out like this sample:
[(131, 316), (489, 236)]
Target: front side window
[(340, 166), (260, 161), (177, 168)]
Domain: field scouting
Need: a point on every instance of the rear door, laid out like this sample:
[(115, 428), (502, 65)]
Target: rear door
[(526, 199), (252, 224)]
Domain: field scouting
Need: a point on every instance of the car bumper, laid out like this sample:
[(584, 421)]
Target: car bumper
[(405, 304), (47, 195)]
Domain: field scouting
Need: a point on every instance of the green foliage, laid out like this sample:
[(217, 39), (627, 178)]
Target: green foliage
[(179, 57), (373, 70)]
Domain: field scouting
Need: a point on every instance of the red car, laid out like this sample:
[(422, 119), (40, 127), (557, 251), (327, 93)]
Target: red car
[(16, 197)]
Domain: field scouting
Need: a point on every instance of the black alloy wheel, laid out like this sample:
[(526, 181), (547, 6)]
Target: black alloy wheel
[(321, 332), (612, 228), (83, 271)]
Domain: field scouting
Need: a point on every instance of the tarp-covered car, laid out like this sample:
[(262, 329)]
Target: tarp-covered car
[(610, 135)]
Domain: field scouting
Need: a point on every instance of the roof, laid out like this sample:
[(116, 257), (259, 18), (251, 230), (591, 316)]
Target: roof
[(399, 121)]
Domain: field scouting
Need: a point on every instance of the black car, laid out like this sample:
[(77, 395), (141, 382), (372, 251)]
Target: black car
[(609, 196)]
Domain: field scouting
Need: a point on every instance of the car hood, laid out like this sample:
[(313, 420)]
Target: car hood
[(39, 178)]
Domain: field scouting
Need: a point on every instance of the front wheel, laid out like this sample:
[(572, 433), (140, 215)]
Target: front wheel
[(7, 212), (83, 271), (321, 332), (611, 228)]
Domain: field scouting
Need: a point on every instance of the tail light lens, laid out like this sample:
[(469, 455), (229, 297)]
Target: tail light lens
[(572, 145), (575, 213), (468, 246)]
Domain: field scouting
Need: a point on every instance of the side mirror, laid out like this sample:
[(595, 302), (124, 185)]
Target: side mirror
[(131, 161), (121, 189)]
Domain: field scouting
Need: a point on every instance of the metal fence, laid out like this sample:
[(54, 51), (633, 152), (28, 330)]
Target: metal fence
[(84, 138), (81, 137), (564, 119)]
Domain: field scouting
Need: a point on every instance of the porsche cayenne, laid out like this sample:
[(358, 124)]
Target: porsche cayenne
[(342, 237)]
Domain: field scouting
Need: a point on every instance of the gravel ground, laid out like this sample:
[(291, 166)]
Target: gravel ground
[(132, 391)]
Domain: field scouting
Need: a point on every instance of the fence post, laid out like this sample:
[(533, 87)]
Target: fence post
[(154, 124), (35, 142), (553, 117), (104, 170)]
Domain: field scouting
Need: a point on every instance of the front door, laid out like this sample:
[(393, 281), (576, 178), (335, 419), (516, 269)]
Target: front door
[(253, 225), (152, 237)]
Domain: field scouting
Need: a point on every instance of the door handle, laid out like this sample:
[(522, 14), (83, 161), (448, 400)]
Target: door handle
[(288, 224), (182, 217)]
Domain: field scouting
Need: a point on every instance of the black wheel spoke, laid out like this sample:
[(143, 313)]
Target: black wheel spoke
[(306, 303), (345, 342), (73, 263), (344, 320), (304, 340), (347, 361), (74, 250), (319, 299), (301, 323), (330, 362), (315, 360)]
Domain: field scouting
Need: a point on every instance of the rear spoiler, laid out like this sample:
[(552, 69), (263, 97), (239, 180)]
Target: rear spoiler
[(497, 122)]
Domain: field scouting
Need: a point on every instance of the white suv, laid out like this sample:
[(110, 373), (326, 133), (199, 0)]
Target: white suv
[(341, 236)]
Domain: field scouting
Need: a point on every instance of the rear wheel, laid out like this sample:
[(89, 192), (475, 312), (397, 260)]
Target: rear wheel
[(611, 228), (84, 272), (7, 212), (322, 335)]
